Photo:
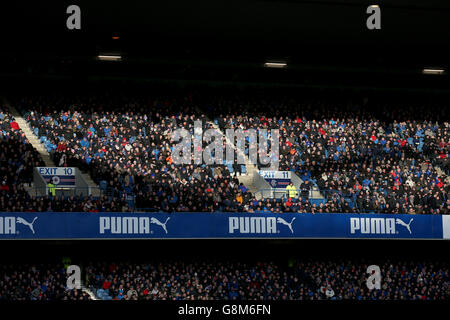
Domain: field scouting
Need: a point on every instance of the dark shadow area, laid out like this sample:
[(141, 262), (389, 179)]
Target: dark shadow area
[(376, 251)]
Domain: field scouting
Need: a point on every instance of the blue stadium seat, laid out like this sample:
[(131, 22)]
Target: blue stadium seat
[(103, 184)]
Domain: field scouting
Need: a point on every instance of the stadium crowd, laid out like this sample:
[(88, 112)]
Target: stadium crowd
[(363, 158), (130, 153), (36, 282), (176, 280), (18, 158), (363, 155)]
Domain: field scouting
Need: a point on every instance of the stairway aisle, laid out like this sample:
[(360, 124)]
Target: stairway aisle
[(23, 124), (31, 137), (247, 178)]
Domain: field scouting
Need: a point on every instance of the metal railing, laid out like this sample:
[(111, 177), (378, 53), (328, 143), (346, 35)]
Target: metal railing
[(65, 191), (313, 194), (147, 210), (278, 193), (92, 192)]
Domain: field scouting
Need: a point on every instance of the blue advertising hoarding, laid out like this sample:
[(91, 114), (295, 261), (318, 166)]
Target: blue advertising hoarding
[(51, 225)]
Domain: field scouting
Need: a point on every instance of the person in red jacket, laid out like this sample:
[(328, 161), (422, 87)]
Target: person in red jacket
[(4, 187), (14, 125)]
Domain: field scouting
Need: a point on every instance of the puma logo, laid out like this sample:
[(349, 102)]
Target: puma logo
[(28, 224), (282, 221), (159, 223), (400, 222)]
